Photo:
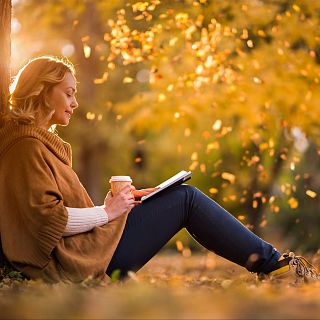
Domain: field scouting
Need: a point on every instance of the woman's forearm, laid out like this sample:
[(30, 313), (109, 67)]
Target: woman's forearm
[(85, 219)]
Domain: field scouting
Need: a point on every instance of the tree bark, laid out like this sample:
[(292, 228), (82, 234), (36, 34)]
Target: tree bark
[(5, 53)]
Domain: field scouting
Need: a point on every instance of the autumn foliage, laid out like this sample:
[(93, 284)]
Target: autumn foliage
[(226, 89)]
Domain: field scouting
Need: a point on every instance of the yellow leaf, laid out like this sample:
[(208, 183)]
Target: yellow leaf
[(203, 168), (210, 62), (263, 146), (280, 52), (263, 223), (228, 176), (173, 41), (194, 156), (245, 34), (257, 195), (85, 38), (190, 31), (225, 130), (293, 203), (151, 7), (161, 97), (254, 204), (139, 17), (213, 146), (199, 69), (90, 115), (250, 43), (127, 80), (125, 55), (193, 165), (170, 87), (271, 143), (179, 245), (86, 51), (311, 193), (296, 8), (111, 66), (272, 198), (257, 80), (217, 125), (181, 17), (213, 190), (292, 166), (276, 209), (140, 6), (101, 80)]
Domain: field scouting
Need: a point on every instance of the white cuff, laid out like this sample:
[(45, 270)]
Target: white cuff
[(85, 219)]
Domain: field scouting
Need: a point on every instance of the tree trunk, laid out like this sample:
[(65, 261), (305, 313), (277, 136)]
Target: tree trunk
[(5, 52)]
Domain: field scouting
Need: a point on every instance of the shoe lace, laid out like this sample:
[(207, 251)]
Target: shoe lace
[(303, 267)]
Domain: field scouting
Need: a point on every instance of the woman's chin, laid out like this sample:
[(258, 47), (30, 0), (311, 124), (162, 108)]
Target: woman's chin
[(65, 122)]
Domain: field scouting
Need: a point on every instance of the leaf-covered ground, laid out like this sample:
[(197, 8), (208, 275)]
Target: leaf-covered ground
[(170, 286)]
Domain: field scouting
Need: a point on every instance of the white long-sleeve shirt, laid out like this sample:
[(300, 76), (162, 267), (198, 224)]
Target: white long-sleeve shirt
[(85, 219)]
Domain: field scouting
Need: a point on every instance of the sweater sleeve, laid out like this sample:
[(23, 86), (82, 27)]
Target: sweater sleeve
[(84, 219), (36, 198)]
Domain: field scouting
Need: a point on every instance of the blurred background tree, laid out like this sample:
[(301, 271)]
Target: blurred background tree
[(227, 89)]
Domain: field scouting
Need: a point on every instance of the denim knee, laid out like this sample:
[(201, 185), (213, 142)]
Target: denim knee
[(191, 190)]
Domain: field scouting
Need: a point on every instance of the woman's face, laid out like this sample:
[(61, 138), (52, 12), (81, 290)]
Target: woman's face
[(62, 99)]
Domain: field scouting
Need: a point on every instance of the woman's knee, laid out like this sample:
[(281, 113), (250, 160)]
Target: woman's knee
[(180, 195), (187, 188), (186, 192)]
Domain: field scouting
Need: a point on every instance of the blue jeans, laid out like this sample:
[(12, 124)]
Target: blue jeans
[(153, 223)]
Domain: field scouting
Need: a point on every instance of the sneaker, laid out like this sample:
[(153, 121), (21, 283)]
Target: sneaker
[(296, 267)]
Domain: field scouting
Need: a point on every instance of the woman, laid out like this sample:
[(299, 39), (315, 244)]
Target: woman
[(51, 230)]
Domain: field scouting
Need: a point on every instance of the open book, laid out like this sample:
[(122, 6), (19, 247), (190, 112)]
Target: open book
[(177, 179)]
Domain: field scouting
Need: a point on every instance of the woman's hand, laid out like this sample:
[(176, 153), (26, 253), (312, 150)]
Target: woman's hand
[(138, 194), (122, 202)]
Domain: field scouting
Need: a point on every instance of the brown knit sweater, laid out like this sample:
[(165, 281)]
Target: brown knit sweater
[(36, 183)]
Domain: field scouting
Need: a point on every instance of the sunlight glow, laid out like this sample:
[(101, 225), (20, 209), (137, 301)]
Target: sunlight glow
[(15, 25), (143, 76), (67, 50)]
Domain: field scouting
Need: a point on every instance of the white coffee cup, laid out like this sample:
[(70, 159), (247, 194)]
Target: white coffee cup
[(119, 182)]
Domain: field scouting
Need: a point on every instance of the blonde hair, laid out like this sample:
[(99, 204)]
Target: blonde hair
[(28, 91)]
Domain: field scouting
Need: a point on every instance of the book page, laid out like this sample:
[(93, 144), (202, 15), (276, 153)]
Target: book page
[(179, 178), (172, 179)]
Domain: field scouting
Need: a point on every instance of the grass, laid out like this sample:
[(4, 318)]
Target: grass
[(170, 286)]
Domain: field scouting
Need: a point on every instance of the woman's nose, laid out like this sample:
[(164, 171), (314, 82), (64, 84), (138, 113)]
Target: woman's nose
[(75, 104)]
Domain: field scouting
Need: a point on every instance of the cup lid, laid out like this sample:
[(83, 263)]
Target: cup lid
[(120, 178)]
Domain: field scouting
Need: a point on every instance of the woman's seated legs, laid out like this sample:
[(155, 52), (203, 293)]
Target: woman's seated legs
[(153, 223)]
